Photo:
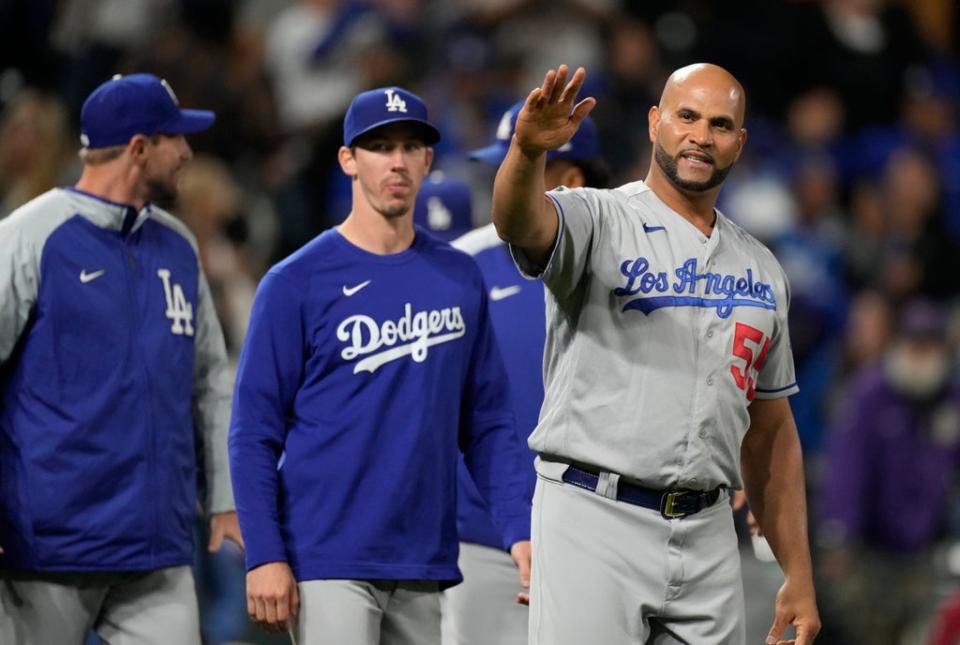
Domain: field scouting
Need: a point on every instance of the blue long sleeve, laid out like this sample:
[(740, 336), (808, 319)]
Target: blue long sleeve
[(269, 373)]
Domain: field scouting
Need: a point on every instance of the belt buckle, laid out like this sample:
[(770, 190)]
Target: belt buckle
[(668, 502)]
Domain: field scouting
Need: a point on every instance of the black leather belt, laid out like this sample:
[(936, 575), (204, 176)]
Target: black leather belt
[(672, 504)]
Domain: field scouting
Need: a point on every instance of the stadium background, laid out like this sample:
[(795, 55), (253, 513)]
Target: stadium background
[(851, 175)]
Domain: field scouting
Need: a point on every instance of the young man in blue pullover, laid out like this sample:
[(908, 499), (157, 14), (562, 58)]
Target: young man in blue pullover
[(369, 365), (112, 367)]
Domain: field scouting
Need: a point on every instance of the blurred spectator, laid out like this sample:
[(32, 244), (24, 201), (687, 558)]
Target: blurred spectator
[(209, 203), (865, 242), (320, 54), (33, 148), (541, 34), (862, 49), (634, 80), (810, 253), (884, 502), (92, 36), (868, 332), (928, 122), (920, 255), (213, 62)]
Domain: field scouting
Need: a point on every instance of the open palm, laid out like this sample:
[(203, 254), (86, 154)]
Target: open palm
[(549, 118)]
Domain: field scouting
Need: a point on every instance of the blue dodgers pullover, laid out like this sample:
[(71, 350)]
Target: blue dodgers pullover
[(113, 380), (518, 316), (361, 379)]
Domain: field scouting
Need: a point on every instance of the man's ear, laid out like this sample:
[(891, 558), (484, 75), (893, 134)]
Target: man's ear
[(653, 122), (347, 162), (742, 141), (428, 161), (137, 148)]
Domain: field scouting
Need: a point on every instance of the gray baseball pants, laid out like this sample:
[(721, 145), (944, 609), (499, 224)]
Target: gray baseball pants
[(368, 612), (610, 572), (123, 608), (482, 609)]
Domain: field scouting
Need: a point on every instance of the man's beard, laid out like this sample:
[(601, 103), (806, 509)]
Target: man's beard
[(163, 194), (668, 165), (393, 212)]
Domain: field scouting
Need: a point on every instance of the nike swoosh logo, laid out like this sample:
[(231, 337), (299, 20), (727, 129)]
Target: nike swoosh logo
[(652, 229), (499, 293), (349, 291), (87, 277)]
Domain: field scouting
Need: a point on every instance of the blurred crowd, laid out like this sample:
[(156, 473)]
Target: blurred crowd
[(851, 174)]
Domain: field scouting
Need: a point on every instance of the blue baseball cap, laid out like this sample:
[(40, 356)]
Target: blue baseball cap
[(374, 108), (583, 145), (444, 207), (136, 104)]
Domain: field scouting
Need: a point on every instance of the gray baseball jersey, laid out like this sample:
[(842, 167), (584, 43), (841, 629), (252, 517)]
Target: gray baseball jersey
[(658, 338)]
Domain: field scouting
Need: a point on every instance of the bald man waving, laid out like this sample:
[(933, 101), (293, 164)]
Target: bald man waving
[(667, 370)]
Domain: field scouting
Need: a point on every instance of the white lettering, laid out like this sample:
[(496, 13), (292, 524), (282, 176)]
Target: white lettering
[(413, 334), (178, 309), (395, 103)]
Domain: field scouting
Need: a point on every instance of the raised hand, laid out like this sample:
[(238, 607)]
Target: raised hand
[(549, 117)]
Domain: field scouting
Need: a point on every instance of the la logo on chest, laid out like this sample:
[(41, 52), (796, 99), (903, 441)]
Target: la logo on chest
[(178, 309)]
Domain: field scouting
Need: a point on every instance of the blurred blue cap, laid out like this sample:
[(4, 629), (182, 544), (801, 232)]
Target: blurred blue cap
[(136, 104), (583, 145), (443, 207), (374, 108)]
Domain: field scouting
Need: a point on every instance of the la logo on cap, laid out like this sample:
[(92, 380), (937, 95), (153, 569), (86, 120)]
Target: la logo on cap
[(394, 102), (169, 89)]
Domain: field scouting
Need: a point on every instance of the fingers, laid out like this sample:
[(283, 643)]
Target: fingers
[(753, 525), (549, 82), (525, 574), (270, 619), (554, 84), (572, 88), (807, 630), (523, 598), (559, 84), (583, 109), (294, 602), (739, 500), (273, 599), (273, 614), (216, 538), (776, 631), (555, 90)]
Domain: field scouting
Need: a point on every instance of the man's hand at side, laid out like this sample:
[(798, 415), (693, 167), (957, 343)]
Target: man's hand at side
[(272, 597)]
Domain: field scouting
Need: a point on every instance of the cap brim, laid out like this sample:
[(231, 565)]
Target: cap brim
[(431, 134), (193, 121), (492, 154)]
